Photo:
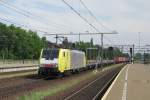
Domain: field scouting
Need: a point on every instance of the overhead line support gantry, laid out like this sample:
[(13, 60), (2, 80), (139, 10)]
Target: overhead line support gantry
[(102, 43)]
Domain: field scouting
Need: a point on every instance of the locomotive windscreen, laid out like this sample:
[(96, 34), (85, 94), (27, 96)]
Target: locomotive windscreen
[(50, 53)]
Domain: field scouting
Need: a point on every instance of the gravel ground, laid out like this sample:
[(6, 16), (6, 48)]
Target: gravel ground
[(11, 88), (88, 93)]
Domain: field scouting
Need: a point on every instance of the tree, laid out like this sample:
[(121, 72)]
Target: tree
[(20, 44)]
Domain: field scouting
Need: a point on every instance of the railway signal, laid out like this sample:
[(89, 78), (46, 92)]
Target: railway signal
[(131, 54)]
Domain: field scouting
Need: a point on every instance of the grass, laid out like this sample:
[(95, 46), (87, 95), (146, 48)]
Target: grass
[(38, 95)]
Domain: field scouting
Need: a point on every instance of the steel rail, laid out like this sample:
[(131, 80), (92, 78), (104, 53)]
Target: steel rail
[(104, 87), (91, 83)]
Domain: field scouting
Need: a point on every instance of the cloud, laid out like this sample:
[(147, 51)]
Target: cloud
[(128, 17)]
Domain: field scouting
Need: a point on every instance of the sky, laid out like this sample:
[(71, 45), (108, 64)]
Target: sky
[(127, 17)]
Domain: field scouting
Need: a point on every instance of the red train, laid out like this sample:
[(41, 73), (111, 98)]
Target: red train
[(121, 59)]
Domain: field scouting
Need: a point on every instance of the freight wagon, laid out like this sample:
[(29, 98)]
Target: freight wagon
[(121, 59)]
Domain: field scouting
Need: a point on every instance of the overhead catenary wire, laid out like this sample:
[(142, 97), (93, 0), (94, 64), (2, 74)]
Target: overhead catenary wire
[(12, 22), (90, 12), (83, 18), (24, 26), (94, 17), (21, 25), (19, 10), (32, 16), (29, 14)]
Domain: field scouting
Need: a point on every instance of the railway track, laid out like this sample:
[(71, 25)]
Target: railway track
[(18, 85), (18, 68), (21, 85), (95, 89), (32, 67)]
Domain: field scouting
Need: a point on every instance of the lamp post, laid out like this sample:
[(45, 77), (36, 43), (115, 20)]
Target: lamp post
[(139, 33)]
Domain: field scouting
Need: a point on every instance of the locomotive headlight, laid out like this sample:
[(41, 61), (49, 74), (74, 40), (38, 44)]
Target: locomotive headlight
[(56, 65)]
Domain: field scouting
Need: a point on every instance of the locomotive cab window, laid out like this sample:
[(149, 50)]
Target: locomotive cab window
[(50, 53)]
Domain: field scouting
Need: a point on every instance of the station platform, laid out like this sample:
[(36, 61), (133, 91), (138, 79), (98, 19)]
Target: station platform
[(132, 83)]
